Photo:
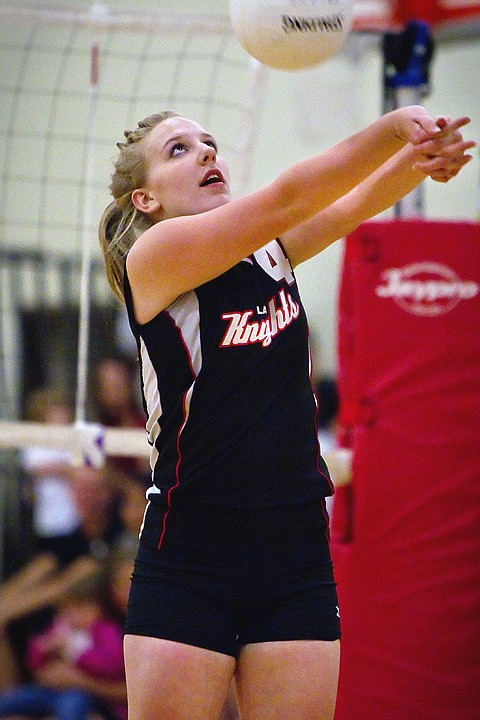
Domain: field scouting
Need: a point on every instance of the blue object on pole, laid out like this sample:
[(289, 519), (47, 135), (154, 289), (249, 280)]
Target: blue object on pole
[(406, 66), (407, 57)]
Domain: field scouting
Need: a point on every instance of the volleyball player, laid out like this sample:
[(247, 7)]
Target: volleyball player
[(233, 576)]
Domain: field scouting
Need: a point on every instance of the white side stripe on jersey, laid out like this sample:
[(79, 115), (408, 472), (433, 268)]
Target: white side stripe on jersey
[(185, 313), (153, 402)]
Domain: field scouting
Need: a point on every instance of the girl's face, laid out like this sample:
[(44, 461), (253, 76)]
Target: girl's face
[(186, 176)]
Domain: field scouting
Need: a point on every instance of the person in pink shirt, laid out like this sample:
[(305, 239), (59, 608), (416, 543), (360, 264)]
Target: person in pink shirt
[(76, 663)]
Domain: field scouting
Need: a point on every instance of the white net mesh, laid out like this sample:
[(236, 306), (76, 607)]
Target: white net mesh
[(58, 129)]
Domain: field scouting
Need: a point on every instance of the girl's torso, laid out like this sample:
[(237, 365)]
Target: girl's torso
[(226, 383)]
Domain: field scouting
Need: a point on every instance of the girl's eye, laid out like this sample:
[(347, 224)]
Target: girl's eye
[(177, 148), (212, 144)]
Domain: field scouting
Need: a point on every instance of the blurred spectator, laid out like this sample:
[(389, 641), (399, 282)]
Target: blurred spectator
[(47, 470), (114, 393), (117, 572), (76, 663), (96, 496), (27, 597), (116, 404), (131, 507)]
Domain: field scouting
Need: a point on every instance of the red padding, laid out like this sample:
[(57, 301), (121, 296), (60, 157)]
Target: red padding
[(409, 384)]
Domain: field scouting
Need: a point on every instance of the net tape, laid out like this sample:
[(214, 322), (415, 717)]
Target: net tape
[(91, 443), (99, 17)]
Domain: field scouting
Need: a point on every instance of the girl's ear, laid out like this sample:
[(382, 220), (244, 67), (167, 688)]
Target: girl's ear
[(144, 202)]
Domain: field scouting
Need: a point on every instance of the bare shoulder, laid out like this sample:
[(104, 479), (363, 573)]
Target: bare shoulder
[(181, 253), (149, 285)]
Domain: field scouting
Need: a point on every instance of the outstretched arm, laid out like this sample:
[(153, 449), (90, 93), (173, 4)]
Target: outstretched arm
[(60, 675), (39, 585), (441, 159), (181, 253)]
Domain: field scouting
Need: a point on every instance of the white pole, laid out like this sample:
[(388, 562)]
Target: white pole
[(85, 280)]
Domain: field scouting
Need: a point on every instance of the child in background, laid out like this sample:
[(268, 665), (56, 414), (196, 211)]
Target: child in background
[(116, 405), (77, 663), (54, 513)]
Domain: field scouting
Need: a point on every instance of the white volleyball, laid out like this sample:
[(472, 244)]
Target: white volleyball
[(291, 34)]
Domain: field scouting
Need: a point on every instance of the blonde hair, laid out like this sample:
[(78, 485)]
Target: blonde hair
[(121, 223)]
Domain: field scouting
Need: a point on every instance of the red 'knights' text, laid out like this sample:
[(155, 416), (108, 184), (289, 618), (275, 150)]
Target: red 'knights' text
[(242, 332)]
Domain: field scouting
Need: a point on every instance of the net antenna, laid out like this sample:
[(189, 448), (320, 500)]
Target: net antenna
[(97, 14), (72, 80)]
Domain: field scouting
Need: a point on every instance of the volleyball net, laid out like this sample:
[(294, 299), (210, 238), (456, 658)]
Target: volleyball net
[(72, 80)]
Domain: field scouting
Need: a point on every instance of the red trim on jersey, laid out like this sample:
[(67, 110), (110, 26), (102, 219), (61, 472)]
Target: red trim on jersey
[(177, 474), (319, 454), (185, 418), (273, 262), (315, 422)]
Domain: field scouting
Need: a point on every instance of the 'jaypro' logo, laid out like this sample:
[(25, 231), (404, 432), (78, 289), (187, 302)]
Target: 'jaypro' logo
[(427, 288)]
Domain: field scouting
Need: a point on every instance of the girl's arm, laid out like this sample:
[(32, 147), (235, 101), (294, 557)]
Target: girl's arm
[(47, 584), (442, 159), (60, 675), (181, 253)]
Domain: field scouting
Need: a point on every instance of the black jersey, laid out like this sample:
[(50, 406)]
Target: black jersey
[(227, 390)]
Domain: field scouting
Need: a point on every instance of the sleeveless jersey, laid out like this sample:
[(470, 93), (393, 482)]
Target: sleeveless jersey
[(227, 391)]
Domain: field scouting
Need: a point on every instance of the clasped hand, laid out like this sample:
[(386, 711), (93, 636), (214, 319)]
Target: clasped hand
[(438, 144), (443, 156)]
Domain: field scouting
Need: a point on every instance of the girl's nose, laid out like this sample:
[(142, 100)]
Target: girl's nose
[(208, 154)]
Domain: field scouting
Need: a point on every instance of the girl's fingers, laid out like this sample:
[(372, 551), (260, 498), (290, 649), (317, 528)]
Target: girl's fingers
[(437, 156), (442, 122), (442, 155), (445, 144), (439, 164), (456, 148), (450, 125), (445, 175), (424, 128)]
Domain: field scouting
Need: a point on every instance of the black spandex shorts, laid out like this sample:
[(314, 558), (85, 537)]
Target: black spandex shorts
[(222, 579)]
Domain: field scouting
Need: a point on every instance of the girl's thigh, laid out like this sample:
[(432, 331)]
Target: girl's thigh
[(288, 679), (168, 680)]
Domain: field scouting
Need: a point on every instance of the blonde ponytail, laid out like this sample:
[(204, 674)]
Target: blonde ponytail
[(121, 223)]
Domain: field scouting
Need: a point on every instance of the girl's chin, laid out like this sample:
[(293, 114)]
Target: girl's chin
[(216, 201)]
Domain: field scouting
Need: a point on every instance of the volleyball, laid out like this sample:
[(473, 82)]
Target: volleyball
[(291, 34)]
